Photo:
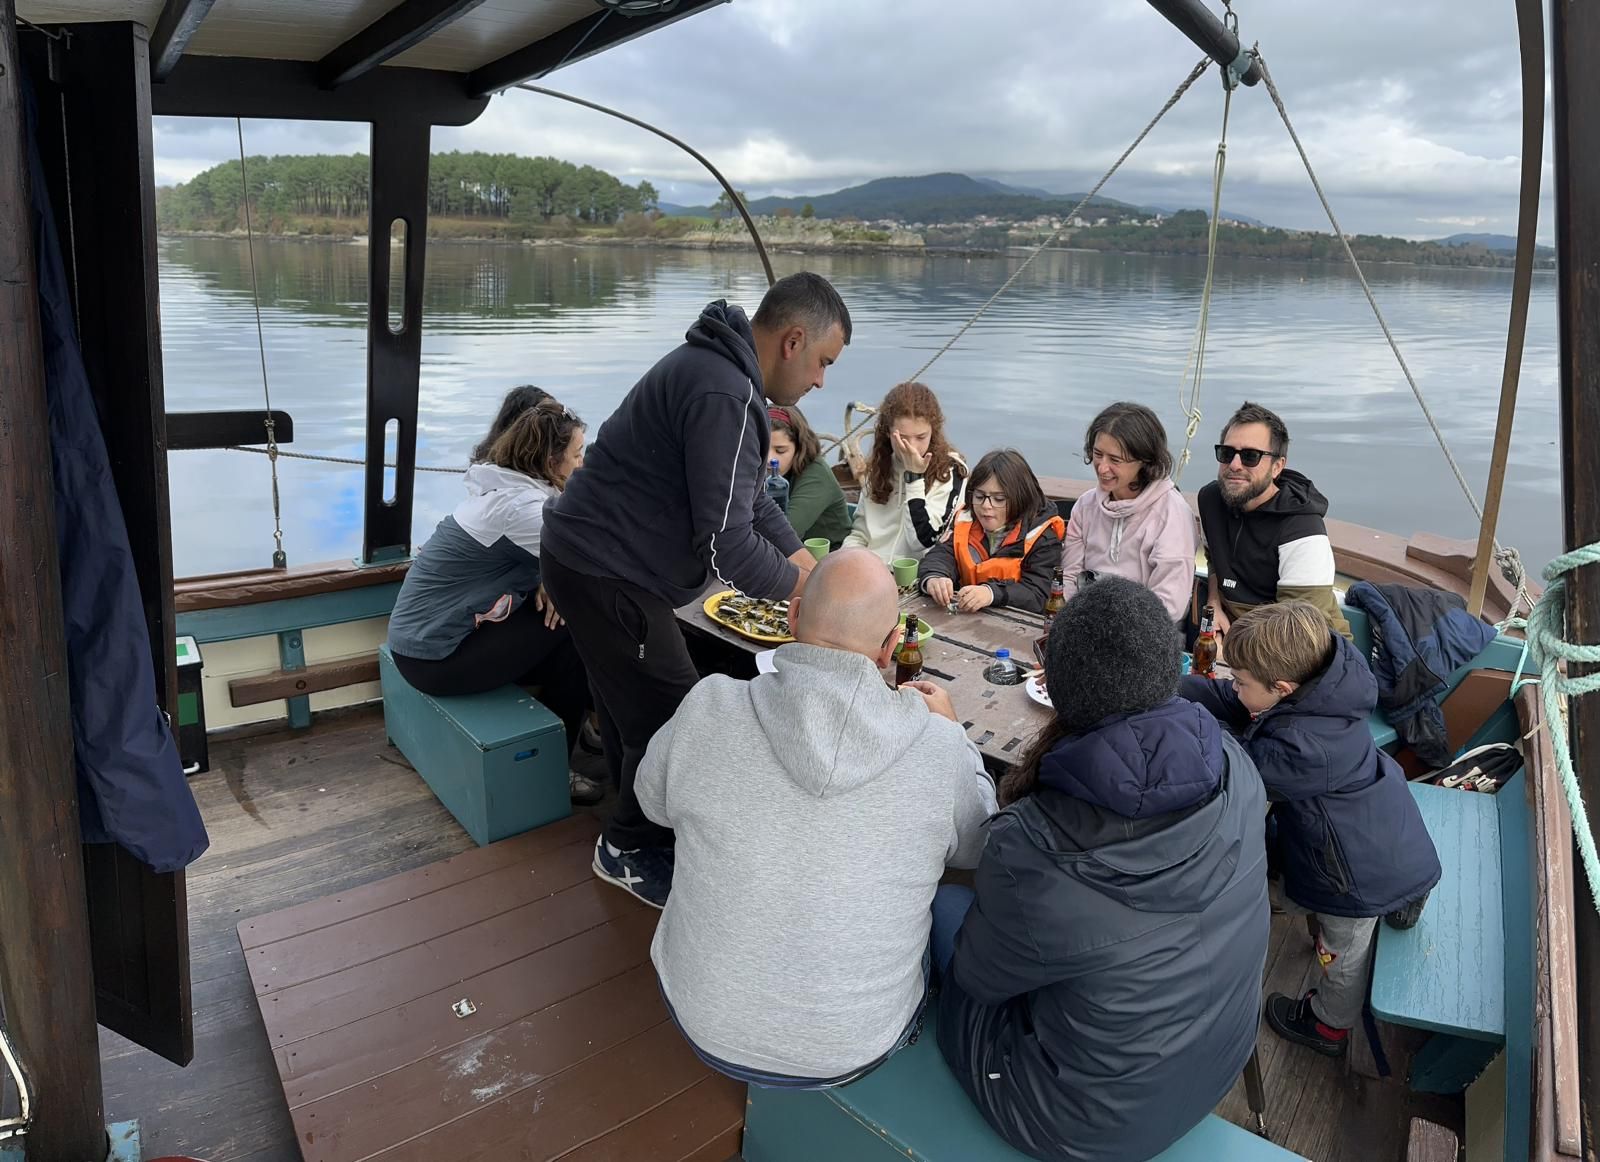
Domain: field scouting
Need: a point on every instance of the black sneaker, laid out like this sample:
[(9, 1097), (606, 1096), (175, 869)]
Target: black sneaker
[(1294, 1021), (645, 873), (583, 790), (1408, 916)]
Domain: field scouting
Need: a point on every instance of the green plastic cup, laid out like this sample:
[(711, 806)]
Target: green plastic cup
[(905, 571), (818, 546)]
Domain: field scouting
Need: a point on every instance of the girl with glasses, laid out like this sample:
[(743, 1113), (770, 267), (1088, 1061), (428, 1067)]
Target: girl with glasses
[(1004, 543), (1135, 524)]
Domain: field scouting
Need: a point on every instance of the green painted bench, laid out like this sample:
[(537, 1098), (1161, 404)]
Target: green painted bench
[(912, 1108), (1466, 971), (497, 761)]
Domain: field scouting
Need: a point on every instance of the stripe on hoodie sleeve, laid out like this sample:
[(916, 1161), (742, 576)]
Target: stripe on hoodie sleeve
[(1306, 562), (733, 476)]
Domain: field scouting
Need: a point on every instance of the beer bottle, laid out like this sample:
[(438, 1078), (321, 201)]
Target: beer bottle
[(777, 486), (1205, 646), (908, 658), (1058, 595)]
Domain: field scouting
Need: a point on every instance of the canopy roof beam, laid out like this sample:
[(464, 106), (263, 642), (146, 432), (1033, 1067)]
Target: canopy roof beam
[(180, 20), (403, 27), (583, 38)]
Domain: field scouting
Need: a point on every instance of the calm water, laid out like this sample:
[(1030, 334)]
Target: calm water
[(1077, 331)]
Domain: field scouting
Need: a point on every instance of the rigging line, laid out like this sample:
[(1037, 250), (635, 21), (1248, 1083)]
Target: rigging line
[(279, 558), (351, 460), (733, 195), (1196, 360), (1508, 559), (1194, 75)]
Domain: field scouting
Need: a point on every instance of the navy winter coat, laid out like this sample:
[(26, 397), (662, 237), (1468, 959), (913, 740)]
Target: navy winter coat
[(131, 788), (1106, 984), (1352, 840), (1420, 637)]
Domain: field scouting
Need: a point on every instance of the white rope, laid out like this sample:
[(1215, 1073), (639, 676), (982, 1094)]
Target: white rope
[(1508, 559), (328, 459), (1546, 626), (15, 1127), (1196, 360), (279, 558)]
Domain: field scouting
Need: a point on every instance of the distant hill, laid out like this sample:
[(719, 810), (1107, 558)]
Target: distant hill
[(1493, 243), (940, 197), (1025, 191)]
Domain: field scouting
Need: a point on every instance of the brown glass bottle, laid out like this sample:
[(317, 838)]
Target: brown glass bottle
[(1058, 596), (908, 658), (1205, 646)]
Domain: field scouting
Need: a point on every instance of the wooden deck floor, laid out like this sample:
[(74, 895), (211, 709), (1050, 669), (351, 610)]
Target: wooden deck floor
[(310, 816)]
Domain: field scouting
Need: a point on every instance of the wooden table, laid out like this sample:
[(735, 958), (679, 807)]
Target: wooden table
[(1001, 720)]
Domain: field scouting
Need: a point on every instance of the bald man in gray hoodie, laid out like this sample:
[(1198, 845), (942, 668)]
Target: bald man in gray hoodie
[(815, 809)]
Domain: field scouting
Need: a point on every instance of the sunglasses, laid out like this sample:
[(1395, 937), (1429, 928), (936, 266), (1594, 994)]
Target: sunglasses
[(1249, 457)]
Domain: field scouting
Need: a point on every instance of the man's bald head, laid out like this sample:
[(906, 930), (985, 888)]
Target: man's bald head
[(849, 603)]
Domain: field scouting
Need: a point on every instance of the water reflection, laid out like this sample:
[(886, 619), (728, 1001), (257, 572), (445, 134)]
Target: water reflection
[(1077, 330)]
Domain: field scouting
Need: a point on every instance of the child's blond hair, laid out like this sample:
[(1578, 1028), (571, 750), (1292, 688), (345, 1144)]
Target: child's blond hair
[(1288, 642)]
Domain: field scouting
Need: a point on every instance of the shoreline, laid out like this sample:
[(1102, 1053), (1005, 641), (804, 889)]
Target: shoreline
[(816, 246)]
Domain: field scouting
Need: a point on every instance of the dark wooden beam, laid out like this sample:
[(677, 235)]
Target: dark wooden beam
[(204, 86), (1575, 46), (403, 27), (180, 20), (282, 684), (99, 156), (584, 38), (45, 974), (187, 431), (394, 357)]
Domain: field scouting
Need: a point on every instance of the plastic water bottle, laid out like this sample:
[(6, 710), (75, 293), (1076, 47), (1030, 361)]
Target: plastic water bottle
[(777, 486), (1004, 671)]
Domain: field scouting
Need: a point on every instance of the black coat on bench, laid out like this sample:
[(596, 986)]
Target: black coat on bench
[(1106, 984), (1351, 838)]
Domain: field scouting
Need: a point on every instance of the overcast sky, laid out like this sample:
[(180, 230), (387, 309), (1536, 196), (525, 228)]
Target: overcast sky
[(1410, 112)]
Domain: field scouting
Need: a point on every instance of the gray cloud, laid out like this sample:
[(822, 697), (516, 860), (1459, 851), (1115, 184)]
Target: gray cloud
[(1410, 112)]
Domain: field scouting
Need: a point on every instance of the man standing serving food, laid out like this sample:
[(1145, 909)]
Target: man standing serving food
[(672, 495)]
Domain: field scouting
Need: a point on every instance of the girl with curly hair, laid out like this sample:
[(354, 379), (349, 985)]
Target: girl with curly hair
[(913, 477)]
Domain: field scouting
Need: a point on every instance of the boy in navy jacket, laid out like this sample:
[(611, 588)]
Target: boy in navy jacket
[(1353, 844)]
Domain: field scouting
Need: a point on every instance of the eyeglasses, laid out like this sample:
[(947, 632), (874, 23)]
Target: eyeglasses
[(1249, 457), (997, 499)]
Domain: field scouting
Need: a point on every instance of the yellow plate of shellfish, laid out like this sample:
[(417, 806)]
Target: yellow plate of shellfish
[(755, 618)]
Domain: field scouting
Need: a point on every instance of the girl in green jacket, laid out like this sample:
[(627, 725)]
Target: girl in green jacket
[(816, 502)]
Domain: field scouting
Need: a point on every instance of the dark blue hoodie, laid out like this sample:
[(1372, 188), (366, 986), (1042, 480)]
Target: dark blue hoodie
[(1106, 984), (1352, 839), (671, 490)]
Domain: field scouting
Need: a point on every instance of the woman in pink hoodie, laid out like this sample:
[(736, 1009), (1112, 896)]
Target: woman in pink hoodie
[(1135, 524)]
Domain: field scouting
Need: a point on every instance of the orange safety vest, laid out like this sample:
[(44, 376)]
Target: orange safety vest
[(974, 565)]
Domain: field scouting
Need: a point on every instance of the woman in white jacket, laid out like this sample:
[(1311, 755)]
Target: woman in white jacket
[(913, 477)]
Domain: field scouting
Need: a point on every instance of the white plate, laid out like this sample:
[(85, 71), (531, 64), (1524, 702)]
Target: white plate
[(1035, 688)]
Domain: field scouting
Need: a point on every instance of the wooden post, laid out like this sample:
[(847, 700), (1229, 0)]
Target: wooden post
[(44, 934), (1530, 29), (1575, 42)]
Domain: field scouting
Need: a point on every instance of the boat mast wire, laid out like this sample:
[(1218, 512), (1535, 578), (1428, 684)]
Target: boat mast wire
[(1509, 560), (279, 559), (727, 187), (1183, 87), (1196, 361)]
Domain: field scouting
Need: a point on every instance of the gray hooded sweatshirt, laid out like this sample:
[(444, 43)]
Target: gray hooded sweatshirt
[(815, 810)]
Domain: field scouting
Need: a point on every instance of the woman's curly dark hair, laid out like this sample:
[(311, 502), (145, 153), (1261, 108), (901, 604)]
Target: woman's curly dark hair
[(906, 401)]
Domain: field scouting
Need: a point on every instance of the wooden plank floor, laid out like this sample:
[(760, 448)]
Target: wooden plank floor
[(297, 817), (568, 1052)]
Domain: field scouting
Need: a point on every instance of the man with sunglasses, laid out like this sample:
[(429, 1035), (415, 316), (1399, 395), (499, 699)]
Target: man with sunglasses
[(815, 810), (1262, 523)]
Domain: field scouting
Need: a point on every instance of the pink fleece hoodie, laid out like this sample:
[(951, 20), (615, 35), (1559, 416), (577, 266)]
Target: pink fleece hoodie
[(1149, 539)]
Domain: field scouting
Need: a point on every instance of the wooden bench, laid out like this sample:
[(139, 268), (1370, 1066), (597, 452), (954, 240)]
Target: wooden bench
[(912, 1108), (1447, 974), (497, 761)]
